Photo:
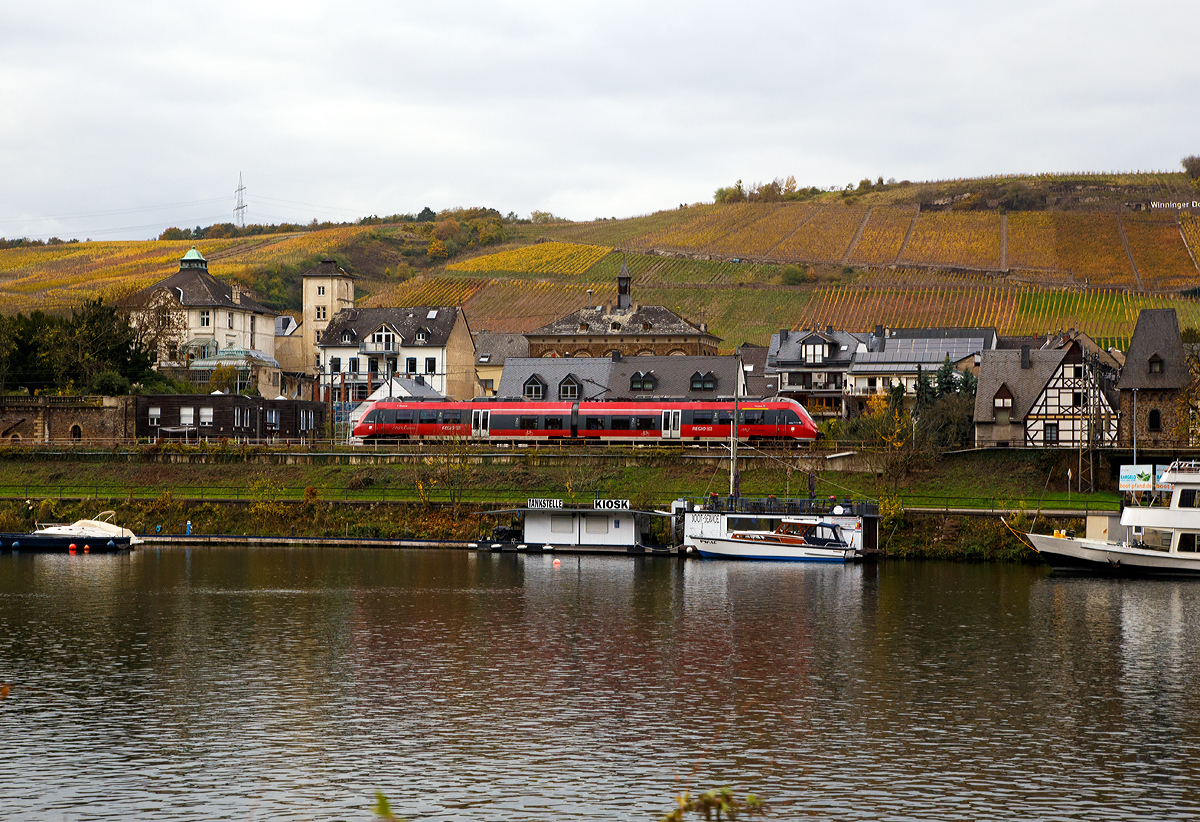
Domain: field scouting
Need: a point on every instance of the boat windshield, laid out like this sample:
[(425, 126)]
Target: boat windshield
[(824, 534)]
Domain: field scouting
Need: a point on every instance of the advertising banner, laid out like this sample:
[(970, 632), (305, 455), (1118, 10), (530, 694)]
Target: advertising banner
[(1159, 485), (1137, 478)]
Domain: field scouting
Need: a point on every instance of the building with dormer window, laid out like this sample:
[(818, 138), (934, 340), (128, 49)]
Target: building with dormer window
[(620, 378), (811, 367), (626, 328), (193, 320), (1152, 380), (1044, 398), (361, 348)]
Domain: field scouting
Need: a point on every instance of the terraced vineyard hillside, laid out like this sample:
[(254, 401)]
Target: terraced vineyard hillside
[(48, 277), (746, 303), (899, 256), (1149, 252)]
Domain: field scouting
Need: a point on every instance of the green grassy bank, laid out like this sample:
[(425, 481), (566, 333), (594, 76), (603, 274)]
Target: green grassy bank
[(443, 498)]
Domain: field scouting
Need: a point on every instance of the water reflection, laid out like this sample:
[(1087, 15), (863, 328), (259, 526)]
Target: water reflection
[(176, 684)]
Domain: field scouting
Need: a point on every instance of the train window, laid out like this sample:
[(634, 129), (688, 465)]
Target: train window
[(404, 416), (452, 416), (620, 423), (387, 415), (527, 422), (427, 416), (724, 418), (790, 417), (370, 416), (703, 417), (593, 423), (554, 423), (756, 417), (645, 423)]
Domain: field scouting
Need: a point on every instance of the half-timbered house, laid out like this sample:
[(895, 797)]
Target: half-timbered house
[(1043, 398)]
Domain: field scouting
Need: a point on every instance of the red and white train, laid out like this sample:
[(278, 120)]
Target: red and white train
[(611, 421)]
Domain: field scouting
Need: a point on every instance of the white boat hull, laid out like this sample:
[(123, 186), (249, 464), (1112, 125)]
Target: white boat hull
[(1112, 558), (716, 547)]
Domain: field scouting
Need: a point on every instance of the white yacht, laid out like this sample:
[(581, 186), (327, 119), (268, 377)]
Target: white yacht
[(1156, 541)]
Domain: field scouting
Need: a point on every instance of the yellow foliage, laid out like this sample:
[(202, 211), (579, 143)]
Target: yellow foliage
[(540, 258)]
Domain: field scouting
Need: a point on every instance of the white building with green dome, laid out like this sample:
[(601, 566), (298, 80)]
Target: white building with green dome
[(192, 316)]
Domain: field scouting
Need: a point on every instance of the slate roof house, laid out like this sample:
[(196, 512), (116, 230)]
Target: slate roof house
[(759, 382), (626, 328), (1045, 397), (900, 355), (491, 351), (362, 347), (1153, 379), (812, 366), (193, 316), (621, 378)]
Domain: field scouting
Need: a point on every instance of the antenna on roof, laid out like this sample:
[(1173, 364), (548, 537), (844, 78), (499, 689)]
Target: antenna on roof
[(239, 211)]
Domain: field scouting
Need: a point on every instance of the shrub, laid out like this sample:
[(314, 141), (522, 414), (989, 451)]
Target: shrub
[(794, 275), (109, 384)]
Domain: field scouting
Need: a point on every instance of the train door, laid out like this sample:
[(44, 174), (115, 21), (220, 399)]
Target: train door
[(670, 425), (481, 422)]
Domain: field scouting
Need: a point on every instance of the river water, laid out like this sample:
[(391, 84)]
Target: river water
[(291, 685)]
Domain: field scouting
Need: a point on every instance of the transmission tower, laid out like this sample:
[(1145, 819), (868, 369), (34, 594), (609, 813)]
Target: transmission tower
[(239, 211)]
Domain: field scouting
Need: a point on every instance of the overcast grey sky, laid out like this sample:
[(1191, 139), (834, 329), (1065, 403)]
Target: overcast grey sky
[(338, 110)]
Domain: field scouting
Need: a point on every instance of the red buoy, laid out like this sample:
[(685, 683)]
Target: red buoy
[(72, 548)]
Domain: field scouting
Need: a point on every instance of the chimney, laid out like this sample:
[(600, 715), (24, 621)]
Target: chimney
[(829, 329), (783, 335), (616, 356), (879, 331), (1025, 364)]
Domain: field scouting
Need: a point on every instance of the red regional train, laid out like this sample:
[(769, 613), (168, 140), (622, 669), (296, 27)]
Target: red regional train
[(608, 421)]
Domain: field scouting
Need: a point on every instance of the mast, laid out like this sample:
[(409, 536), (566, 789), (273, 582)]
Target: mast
[(733, 446)]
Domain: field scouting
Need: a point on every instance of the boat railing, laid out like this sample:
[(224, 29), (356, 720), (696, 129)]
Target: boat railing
[(788, 507), (1185, 467)]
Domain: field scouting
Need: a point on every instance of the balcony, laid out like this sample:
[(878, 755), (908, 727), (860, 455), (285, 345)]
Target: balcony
[(386, 347)]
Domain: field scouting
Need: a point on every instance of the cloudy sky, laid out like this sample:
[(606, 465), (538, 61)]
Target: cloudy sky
[(121, 118)]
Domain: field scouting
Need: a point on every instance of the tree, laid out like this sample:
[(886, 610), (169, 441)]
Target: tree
[(223, 378), (8, 345), (968, 385), (736, 193), (945, 379), (885, 430), (426, 215), (437, 250), (926, 393), (1191, 165), (949, 423), (445, 229), (794, 275)]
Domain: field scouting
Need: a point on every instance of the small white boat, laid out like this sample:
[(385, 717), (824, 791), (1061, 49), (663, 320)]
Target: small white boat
[(99, 535), (803, 539), (1158, 541)]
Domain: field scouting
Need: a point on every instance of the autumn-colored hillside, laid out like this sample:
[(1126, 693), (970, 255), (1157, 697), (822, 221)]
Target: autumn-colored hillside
[(1081, 251)]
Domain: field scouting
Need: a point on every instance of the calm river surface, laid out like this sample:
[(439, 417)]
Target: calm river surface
[(288, 685)]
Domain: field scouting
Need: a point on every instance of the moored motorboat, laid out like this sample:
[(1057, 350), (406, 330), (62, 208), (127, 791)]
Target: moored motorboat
[(89, 536), (805, 539), (1158, 541)]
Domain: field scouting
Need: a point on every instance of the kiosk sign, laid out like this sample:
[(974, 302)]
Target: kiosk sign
[(543, 503), (610, 505)]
